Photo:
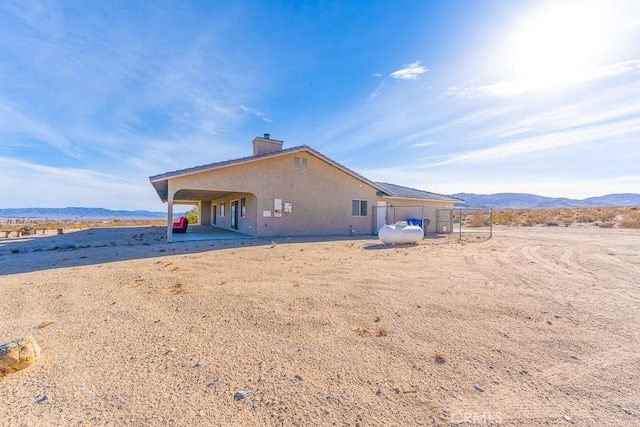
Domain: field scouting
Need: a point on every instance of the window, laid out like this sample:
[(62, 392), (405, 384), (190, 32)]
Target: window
[(223, 208), (243, 207), (300, 162), (358, 208)]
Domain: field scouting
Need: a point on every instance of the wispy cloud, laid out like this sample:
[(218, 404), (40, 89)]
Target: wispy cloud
[(377, 91), (54, 182), (409, 72), (20, 124), (547, 143), (549, 81), (257, 113), (423, 144)]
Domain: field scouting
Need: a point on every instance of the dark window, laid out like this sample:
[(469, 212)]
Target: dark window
[(243, 207), (358, 208)]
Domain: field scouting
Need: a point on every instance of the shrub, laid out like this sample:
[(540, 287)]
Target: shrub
[(477, 219), (192, 215), (630, 219), (606, 224)]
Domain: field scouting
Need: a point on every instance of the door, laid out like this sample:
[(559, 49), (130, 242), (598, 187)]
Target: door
[(444, 221), (234, 214), (214, 214)]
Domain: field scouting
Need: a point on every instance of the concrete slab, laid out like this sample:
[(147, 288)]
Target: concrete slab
[(208, 232)]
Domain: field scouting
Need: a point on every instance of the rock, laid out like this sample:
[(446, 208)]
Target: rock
[(53, 248), (567, 418), (241, 394), (478, 388), (18, 354)]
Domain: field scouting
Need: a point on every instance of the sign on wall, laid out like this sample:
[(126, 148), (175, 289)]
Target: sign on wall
[(277, 208)]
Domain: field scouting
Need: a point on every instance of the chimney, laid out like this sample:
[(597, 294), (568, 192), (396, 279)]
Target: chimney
[(263, 145)]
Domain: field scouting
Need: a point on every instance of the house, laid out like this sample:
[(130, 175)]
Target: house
[(296, 191)]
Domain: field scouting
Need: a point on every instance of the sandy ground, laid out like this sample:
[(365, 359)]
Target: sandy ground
[(536, 326)]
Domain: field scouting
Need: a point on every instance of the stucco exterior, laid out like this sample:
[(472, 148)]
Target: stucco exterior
[(292, 192)]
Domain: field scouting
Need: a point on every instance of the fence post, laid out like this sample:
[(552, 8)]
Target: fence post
[(490, 222)]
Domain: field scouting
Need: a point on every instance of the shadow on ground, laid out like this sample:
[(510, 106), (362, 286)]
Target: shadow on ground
[(114, 244), (379, 246)]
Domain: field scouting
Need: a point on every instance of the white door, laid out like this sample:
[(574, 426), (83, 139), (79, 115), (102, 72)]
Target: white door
[(381, 215)]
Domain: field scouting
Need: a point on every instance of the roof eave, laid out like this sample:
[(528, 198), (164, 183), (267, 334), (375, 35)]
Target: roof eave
[(450, 199), (215, 166)]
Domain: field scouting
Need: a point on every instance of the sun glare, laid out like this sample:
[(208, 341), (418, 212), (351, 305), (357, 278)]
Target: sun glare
[(558, 38)]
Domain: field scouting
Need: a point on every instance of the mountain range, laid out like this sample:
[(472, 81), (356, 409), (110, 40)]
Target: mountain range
[(78, 213), (532, 201)]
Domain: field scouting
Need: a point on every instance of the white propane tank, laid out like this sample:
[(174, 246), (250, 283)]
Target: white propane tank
[(397, 234)]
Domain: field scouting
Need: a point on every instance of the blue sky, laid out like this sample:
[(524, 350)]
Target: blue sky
[(451, 96)]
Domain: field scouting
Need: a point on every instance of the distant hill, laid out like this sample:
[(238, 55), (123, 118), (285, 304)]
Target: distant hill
[(78, 213), (531, 201)]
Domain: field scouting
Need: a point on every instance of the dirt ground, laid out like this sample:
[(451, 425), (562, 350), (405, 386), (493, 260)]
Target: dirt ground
[(535, 326)]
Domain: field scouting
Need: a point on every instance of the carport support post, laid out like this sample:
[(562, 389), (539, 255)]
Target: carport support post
[(170, 220)]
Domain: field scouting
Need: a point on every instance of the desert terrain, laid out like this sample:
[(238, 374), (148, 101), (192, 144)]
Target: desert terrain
[(535, 326)]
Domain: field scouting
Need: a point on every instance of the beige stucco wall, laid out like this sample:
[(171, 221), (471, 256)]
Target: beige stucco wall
[(320, 195)]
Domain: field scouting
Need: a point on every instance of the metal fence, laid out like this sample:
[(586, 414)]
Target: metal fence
[(473, 224), (430, 218)]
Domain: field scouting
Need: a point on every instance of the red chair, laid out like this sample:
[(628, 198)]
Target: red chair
[(180, 226)]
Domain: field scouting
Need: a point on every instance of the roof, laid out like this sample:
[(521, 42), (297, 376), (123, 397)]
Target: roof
[(160, 182), (412, 193)]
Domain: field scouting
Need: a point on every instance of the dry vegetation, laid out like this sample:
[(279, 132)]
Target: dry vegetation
[(42, 226), (603, 217)]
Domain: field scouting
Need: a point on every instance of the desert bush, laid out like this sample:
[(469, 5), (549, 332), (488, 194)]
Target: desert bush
[(506, 217), (630, 218), (584, 217), (606, 214), (476, 219), (606, 224), (192, 215)]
